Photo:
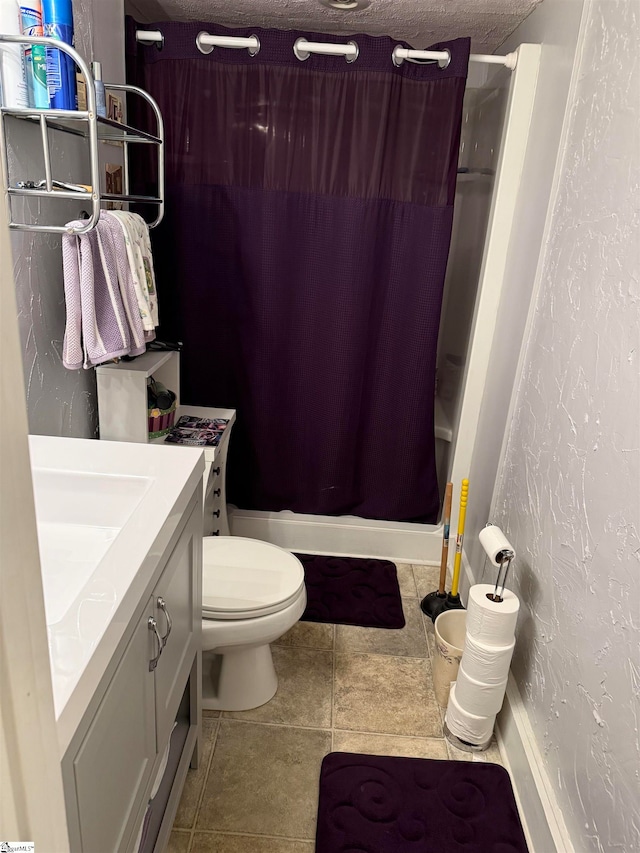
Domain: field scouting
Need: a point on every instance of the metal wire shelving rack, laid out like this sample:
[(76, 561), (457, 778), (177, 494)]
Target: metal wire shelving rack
[(95, 129)]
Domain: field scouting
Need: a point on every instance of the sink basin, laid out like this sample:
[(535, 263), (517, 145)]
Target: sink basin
[(79, 516)]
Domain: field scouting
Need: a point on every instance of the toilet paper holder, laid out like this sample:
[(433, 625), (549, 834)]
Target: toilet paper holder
[(502, 558), (505, 563)]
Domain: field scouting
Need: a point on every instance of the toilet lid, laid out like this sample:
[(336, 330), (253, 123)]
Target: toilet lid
[(245, 578)]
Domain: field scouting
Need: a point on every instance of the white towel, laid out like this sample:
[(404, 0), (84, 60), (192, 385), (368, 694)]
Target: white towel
[(138, 244)]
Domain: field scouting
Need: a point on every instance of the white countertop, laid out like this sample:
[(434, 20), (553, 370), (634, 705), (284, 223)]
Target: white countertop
[(106, 512)]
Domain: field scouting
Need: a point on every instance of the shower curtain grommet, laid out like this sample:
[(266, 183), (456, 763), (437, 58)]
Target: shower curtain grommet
[(357, 53), (300, 54), (254, 51), (205, 42), (398, 59), (302, 49), (444, 63), (203, 48)]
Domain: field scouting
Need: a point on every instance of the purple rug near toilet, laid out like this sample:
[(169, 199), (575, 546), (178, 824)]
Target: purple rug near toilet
[(352, 591), (375, 804)]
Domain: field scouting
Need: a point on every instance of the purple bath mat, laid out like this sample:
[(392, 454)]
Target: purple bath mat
[(352, 591), (374, 804)]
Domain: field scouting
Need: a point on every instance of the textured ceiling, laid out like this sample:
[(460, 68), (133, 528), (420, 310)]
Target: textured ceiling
[(419, 22)]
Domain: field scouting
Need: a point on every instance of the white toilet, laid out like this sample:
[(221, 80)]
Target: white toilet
[(252, 593)]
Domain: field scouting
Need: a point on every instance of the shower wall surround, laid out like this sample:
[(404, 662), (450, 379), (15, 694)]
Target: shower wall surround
[(568, 492), (59, 401)]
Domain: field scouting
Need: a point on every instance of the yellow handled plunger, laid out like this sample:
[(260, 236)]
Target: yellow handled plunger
[(464, 494)]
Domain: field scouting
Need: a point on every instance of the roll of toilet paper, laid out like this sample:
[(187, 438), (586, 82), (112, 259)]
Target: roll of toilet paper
[(487, 663), (479, 698), (489, 621), (495, 543), (468, 727)]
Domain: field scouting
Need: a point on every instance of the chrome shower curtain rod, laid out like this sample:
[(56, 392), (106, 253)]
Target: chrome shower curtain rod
[(303, 49)]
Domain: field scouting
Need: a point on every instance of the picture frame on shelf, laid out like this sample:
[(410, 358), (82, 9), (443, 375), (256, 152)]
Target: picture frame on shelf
[(114, 184), (114, 108)]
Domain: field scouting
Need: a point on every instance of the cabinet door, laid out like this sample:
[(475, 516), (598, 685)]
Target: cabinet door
[(116, 756), (179, 592)]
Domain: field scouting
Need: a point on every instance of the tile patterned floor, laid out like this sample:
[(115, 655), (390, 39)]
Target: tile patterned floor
[(340, 688)]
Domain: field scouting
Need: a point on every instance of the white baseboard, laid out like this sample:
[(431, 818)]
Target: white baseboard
[(544, 823), (346, 536)]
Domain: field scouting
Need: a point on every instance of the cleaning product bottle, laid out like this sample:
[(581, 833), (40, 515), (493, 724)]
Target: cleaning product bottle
[(57, 17), (35, 55), (101, 100), (13, 84)]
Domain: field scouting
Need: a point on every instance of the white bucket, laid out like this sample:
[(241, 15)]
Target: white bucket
[(450, 628)]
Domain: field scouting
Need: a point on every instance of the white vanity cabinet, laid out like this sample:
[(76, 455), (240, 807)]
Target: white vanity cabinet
[(177, 609), (115, 760), (149, 696)]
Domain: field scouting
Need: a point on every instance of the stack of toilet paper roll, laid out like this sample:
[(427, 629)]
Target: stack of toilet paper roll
[(478, 693)]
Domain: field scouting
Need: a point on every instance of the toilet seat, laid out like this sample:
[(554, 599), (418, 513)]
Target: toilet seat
[(244, 578)]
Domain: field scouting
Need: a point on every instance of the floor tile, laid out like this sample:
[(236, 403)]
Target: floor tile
[(431, 635), (219, 843), (304, 690), (371, 744), (312, 635), (186, 814), (431, 640), (178, 842), (493, 753), (456, 754), (405, 580), (409, 641), (388, 695), (427, 579), (264, 780)]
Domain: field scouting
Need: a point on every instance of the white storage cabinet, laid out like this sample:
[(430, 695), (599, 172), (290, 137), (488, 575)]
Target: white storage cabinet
[(123, 416)]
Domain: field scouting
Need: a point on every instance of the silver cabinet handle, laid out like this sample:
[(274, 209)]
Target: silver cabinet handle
[(162, 605), (153, 626)]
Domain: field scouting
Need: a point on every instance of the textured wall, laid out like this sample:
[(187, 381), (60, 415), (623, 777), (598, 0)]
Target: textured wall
[(60, 401), (568, 495), (420, 22)]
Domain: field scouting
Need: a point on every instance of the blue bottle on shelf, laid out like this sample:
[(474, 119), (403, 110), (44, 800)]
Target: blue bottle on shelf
[(57, 16), (35, 55)]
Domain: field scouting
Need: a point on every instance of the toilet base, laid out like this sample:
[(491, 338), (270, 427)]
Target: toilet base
[(238, 680)]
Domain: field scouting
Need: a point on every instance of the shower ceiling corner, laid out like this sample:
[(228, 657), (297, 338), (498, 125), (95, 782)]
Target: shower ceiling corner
[(419, 22)]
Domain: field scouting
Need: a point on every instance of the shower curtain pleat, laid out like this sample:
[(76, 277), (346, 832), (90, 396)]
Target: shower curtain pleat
[(302, 260)]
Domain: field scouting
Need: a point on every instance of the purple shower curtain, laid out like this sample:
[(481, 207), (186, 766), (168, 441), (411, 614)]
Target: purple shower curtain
[(302, 259)]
